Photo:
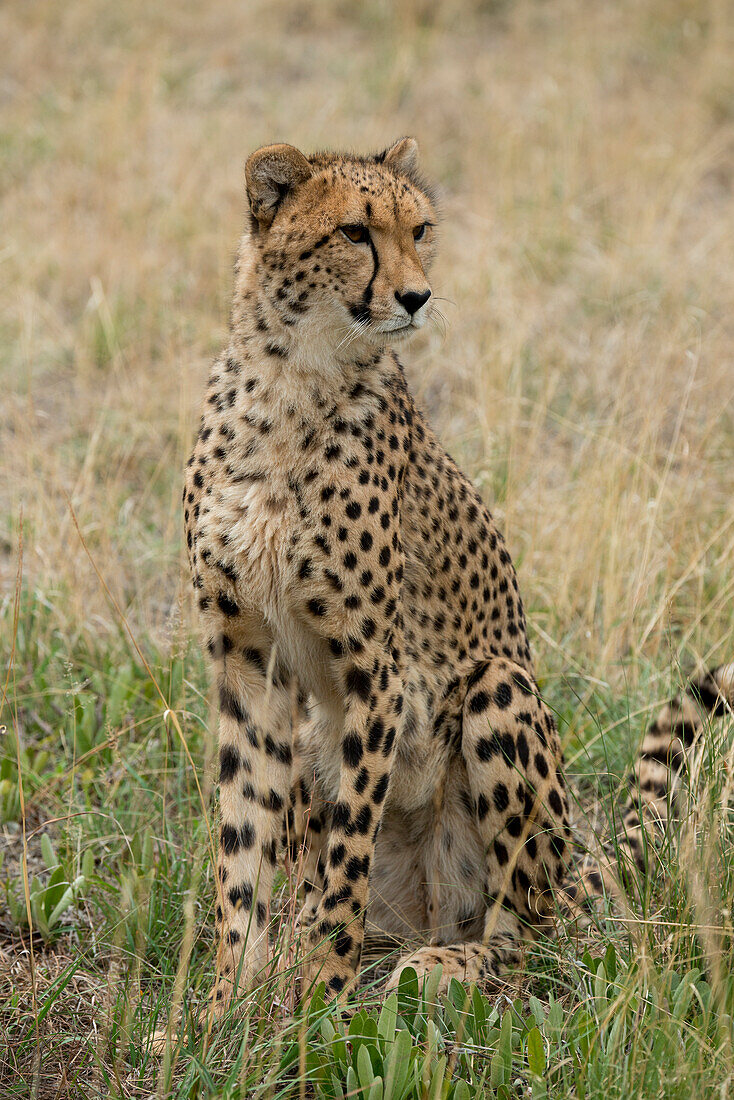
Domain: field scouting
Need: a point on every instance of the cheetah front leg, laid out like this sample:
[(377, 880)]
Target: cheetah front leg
[(373, 692), (512, 756), (255, 756)]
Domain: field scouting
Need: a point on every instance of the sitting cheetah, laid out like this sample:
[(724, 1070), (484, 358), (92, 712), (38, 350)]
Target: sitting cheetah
[(362, 613)]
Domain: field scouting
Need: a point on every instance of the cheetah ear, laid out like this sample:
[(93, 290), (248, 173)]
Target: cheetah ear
[(271, 173), (401, 157)]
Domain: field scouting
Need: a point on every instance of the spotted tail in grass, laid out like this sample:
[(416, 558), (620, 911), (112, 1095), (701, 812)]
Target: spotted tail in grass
[(667, 750)]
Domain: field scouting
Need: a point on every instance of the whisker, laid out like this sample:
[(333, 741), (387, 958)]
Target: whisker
[(439, 321), (362, 327), (352, 332)]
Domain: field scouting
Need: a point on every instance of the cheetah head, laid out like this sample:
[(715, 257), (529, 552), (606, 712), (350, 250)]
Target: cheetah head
[(343, 243)]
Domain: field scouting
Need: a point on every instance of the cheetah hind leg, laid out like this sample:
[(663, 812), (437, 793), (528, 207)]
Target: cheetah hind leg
[(512, 756)]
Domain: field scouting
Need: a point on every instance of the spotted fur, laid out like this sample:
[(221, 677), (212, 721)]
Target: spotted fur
[(362, 612)]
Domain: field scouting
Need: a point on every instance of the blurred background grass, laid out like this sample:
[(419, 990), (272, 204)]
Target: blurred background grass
[(585, 153), (585, 157)]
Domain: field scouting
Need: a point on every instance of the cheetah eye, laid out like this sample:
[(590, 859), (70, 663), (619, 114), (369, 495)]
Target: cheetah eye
[(357, 234), (419, 231)]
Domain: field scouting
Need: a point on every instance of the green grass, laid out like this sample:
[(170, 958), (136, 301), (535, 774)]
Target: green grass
[(113, 793)]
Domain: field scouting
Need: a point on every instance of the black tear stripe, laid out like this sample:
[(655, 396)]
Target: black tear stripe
[(361, 312)]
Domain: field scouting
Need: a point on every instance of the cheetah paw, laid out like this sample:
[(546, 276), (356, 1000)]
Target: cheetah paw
[(462, 962)]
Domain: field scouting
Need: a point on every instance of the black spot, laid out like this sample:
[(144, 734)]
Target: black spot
[(356, 868), (336, 855), (503, 695), (227, 606), (380, 789), (360, 783), (255, 658), (479, 702), (487, 747), (340, 815), (230, 763), (280, 752), (522, 683), (241, 896), (500, 797), (376, 734), (352, 750), (343, 943), (231, 706), (358, 683), (233, 840)]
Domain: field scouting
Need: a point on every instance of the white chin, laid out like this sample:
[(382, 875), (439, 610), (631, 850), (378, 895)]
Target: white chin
[(393, 336), (401, 333)]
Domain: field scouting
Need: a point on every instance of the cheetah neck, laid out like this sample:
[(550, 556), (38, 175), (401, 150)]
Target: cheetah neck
[(295, 355)]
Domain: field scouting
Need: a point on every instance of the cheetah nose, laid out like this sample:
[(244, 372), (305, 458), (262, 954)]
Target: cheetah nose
[(412, 300)]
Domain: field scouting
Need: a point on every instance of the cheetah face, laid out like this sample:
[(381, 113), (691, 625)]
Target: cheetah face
[(345, 242)]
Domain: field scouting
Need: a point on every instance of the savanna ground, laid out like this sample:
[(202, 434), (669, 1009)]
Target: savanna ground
[(585, 378)]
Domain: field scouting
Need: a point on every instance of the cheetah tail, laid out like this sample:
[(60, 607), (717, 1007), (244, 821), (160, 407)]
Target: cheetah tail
[(666, 749)]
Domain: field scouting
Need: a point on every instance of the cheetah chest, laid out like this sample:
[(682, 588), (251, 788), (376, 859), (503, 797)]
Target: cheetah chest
[(255, 522)]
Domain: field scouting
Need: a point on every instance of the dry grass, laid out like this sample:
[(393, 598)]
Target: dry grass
[(585, 153), (586, 156)]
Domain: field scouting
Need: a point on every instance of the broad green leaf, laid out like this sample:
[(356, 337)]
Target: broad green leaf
[(397, 1065), (536, 1052), (430, 992), (388, 1020), (408, 993), (556, 1017), (600, 984), (496, 1070), (327, 1029), (538, 1011), (365, 1071), (682, 999), (439, 1073), (376, 1090), (352, 1083), (540, 1089), (47, 851), (66, 900), (54, 889)]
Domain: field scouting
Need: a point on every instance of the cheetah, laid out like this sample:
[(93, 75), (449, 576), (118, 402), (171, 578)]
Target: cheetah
[(377, 695)]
